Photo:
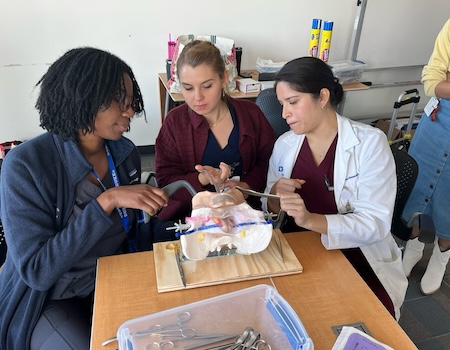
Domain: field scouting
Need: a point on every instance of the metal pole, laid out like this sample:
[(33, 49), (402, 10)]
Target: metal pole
[(356, 36)]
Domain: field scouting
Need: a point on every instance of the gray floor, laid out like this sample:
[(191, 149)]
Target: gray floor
[(426, 319)]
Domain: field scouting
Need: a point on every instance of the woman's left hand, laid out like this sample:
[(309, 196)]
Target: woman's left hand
[(216, 176), (294, 206)]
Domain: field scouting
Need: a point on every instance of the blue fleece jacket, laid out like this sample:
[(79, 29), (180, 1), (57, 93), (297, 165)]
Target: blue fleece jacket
[(37, 196)]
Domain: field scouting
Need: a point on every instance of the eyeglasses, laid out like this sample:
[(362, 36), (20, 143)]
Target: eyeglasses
[(127, 102)]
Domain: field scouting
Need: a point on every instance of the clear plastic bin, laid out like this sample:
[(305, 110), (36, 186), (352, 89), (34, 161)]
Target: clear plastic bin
[(268, 66), (348, 71), (259, 307)]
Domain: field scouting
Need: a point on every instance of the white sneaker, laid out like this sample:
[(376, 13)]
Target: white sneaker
[(412, 254), (432, 279)]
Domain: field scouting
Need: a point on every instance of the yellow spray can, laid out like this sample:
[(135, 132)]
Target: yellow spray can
[(314, 37), (325, 41)]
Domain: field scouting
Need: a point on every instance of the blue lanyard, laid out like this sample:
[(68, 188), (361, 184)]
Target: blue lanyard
[(112, 169)]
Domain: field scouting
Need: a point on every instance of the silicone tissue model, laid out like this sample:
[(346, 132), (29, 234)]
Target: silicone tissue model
[(224, 220)]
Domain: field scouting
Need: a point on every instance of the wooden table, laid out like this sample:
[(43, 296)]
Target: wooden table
[(329, 292)]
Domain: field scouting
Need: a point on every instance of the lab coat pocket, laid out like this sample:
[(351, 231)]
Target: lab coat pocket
[(393, 279), (386, 261), (385, 251), (348, 195)]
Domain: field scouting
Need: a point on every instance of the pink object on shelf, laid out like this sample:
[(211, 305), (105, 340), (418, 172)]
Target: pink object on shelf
[(170, 47)]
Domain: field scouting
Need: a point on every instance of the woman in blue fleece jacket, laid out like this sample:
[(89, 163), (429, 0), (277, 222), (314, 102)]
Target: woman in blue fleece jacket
[(69, 196)]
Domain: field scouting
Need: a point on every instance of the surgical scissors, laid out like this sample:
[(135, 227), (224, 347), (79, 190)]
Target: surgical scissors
[(248, 340), (174, 332), (177, 332), (165, 345), (260, 345), (169, 345), (172, 327), (183, 332)]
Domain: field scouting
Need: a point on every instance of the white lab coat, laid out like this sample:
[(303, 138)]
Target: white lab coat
[(364, 189)]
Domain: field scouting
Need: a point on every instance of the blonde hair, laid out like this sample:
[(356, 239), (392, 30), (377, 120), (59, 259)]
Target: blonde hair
[(199, 52)]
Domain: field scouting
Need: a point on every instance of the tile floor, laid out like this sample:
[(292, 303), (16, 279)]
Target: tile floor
[(426, 319)]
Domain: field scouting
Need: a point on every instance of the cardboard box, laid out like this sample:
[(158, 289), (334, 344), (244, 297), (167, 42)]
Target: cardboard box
[(248, 85), (383, 124), (399, 130), (267, 84)]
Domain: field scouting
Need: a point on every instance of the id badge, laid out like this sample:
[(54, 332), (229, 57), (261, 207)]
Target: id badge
[(431, 106)]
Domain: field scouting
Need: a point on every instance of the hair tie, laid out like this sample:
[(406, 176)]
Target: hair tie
[(336, 85)]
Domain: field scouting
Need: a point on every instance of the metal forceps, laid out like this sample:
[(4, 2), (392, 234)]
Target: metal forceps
[(174, 332), (260, 345), (164, 336), (172, 329), (164, 345), (170, 345), (248, 340), (238, 343)]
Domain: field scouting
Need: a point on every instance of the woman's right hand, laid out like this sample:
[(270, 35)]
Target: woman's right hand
[(285, 185), (144, 197), (214, 176)]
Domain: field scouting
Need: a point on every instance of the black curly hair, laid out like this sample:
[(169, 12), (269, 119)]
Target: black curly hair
[(79, 84)]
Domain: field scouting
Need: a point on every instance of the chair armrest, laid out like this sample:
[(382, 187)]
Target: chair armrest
[(149, 178), (170, 189), (427, 231), (2, 245)]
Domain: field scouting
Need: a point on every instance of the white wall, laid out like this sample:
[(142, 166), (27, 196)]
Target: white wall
[(408, 36), (33, 34)]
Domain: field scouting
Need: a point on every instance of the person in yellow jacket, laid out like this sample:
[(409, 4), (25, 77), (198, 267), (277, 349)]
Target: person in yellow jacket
[(430, 147)]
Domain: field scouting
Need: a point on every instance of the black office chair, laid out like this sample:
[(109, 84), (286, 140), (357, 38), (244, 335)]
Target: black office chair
[(2, 245), (149, 178), (170, 189), (2, 236), (407, 171), (268, 102)]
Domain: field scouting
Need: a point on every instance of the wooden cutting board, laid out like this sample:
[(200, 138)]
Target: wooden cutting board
[(224, 269)]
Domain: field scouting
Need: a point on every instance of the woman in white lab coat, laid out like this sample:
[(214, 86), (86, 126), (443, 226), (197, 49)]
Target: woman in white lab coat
[(337, 177)]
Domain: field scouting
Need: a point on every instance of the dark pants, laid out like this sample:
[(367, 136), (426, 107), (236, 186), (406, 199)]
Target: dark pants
[(64, 324)]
